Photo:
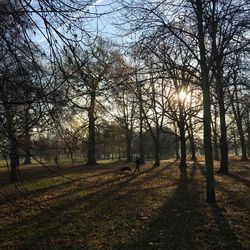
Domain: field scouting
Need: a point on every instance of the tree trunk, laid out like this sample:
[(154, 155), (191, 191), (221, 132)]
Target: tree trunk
[(191, 140), (223, 130), (156, 140), (243, 144), (248, 132), (27, 140), (27, 157), (216, 149), (238, 118), (91, 140), (177, 155), (13, 146), (119, 152), (157, 154), (220, 86), (142, 160), (129, 156), (235, 144), (208, 145), (181, 125), (14, 159), (206, 104), (215, 130), (142, 156)]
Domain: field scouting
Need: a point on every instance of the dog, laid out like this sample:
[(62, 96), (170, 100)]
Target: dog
[(126, 169)]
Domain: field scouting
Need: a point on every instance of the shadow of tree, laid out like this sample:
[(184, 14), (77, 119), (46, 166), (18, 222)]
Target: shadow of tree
[(228, 239), (32, 173), (101, 196), (245, 167), (176, 225), (239, 179)]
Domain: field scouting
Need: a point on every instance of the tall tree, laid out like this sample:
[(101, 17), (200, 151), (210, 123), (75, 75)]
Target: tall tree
[(239, 108), (92, 73), (190, 30)]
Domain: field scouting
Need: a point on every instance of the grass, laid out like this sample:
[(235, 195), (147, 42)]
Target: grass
[(99, 208)]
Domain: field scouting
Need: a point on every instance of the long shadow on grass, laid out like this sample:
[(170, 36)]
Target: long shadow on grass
[(146, 175), (225, 236), (100, 199), (177, 225), (245, 167), (108, 185), (181, 224), (228, 240), (53, 216), (177, 222), (240, 179), (53, 186), (238, 200), (32, 173), (87, 180)]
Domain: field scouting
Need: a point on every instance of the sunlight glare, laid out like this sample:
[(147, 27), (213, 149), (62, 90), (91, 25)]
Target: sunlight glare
[(184, 96)]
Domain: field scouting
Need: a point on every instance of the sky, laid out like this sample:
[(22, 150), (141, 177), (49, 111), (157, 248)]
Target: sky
[(101, 26)]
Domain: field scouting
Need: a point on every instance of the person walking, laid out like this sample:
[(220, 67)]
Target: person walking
[(137, 164)]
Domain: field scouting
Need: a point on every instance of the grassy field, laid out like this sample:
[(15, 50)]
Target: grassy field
[(97, 207)]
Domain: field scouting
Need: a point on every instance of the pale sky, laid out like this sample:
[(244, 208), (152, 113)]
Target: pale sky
[(97, 26)]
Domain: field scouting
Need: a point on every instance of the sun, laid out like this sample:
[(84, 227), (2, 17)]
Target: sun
[(184, 96)]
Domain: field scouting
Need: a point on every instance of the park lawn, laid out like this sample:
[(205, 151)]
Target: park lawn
[(97, 207)]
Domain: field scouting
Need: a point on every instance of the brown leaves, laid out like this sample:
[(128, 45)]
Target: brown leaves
[(154, 210)]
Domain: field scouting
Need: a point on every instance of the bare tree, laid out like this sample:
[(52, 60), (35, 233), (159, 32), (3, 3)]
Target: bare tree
[(239, 108), (153, 14)]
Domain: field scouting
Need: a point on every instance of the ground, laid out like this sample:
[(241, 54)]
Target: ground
[(97, 207)]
